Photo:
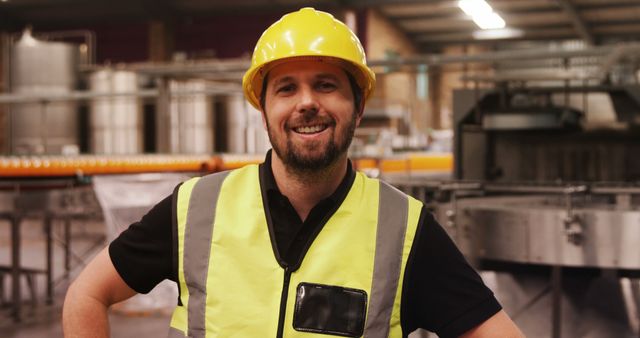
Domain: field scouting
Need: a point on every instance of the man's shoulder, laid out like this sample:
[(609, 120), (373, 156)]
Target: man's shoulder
[(219, 176), (391, 187)]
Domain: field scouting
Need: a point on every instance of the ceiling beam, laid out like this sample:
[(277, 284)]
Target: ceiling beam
[(504, 55), (550, 32), (587, 3), (578, 23), (159, 9), (376, 3), (628, 29), (457, 37)]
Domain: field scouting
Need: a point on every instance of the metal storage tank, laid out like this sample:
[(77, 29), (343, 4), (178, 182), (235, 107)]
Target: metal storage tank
[(190, 118), (257, 137), (43, 68), (116, 122), (237, 122), (188, 123), (245, 130)]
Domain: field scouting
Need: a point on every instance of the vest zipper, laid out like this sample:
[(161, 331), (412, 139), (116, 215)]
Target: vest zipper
[(283, 301)]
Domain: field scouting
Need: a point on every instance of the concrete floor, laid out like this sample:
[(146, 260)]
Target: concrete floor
[(41, 320)]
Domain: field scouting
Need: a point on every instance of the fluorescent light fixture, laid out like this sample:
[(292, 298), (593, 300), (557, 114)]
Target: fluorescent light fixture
[(489, 21), (494, 34), (482, 14), (474, 7)]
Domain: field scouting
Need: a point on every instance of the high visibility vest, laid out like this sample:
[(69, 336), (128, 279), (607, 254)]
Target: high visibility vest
[(231, 284)]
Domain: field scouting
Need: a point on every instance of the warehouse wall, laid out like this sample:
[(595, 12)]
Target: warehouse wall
[(228, 36), (395, 88)]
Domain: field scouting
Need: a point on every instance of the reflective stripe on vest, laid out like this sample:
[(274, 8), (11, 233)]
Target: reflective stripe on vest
[(392, 226), (197, 240), (231, 282)]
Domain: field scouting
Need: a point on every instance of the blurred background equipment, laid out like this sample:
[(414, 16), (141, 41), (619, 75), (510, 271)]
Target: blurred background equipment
[(516, 122), (49, 68), (116, 122)]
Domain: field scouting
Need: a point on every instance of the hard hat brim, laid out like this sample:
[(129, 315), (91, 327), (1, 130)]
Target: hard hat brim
[(253, 79)]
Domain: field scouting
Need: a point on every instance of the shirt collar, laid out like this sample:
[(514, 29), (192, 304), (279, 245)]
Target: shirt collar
[(271, 187)]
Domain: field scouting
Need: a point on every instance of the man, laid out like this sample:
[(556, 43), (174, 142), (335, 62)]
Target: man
[(300, 245)]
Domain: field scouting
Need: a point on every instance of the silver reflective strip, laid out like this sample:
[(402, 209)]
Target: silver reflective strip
[(175, 333), (197, 246), (393, 210)]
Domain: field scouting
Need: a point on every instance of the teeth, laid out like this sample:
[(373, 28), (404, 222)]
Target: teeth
[(309, 129)]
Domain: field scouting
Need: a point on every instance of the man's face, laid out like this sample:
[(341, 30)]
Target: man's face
[(309, 114)]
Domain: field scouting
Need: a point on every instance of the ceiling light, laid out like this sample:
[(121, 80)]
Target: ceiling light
[(489, 21), (474, 7), (482, 14), (494, 34)]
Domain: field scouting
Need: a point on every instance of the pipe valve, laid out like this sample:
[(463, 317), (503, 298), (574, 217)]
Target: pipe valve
[(574, 230)]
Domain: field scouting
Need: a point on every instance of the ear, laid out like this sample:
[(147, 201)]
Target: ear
[(359, 113), (264, 118)]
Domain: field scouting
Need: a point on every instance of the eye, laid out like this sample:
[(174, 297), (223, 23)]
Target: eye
[(326, 86), (287, 88)]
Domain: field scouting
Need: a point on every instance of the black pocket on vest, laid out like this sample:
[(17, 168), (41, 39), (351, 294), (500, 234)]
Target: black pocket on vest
[(330, 310)]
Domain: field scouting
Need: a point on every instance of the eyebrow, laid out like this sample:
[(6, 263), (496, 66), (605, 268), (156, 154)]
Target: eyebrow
[(282, 79), (329, 76), (321, 76)]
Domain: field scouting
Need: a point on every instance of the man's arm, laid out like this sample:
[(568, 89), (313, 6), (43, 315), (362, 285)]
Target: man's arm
[(499, 325), (90, 295)]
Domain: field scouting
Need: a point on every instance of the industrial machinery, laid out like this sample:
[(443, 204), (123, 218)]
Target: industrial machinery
[(543, 176), (570, 175), (546, 179)]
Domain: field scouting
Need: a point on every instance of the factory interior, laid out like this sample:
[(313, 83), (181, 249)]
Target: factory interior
[(514, 121)]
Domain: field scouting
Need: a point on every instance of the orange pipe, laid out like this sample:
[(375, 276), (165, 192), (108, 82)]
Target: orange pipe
[(57, 166)]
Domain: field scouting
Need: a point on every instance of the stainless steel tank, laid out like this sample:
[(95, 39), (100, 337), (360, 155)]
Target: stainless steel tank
[(257, 137), (116, 122), (190, 118), (541, 230), (43, 68), (245, 130)]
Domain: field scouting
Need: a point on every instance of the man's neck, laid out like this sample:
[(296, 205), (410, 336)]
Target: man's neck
[(305, 190)]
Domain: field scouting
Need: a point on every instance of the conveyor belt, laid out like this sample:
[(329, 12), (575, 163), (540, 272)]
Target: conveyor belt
[(59, 166), (87, 165), (409, 163)]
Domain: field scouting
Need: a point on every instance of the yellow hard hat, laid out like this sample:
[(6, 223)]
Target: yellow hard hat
[(308, 34)]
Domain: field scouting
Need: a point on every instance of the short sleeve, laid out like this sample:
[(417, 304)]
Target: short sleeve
[(442, 293), (143, 253)]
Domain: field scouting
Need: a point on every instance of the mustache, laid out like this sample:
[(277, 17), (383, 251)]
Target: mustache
[(306, 120)]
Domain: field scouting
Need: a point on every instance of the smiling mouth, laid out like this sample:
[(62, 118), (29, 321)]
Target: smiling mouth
[(311, 129)]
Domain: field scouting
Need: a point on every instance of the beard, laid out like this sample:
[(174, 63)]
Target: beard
[(312, 157)]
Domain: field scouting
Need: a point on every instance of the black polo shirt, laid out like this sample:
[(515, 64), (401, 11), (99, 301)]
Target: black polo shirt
[(441, 291), (293, 236)]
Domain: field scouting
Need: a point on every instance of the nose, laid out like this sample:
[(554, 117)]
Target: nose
[(308, 102)]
